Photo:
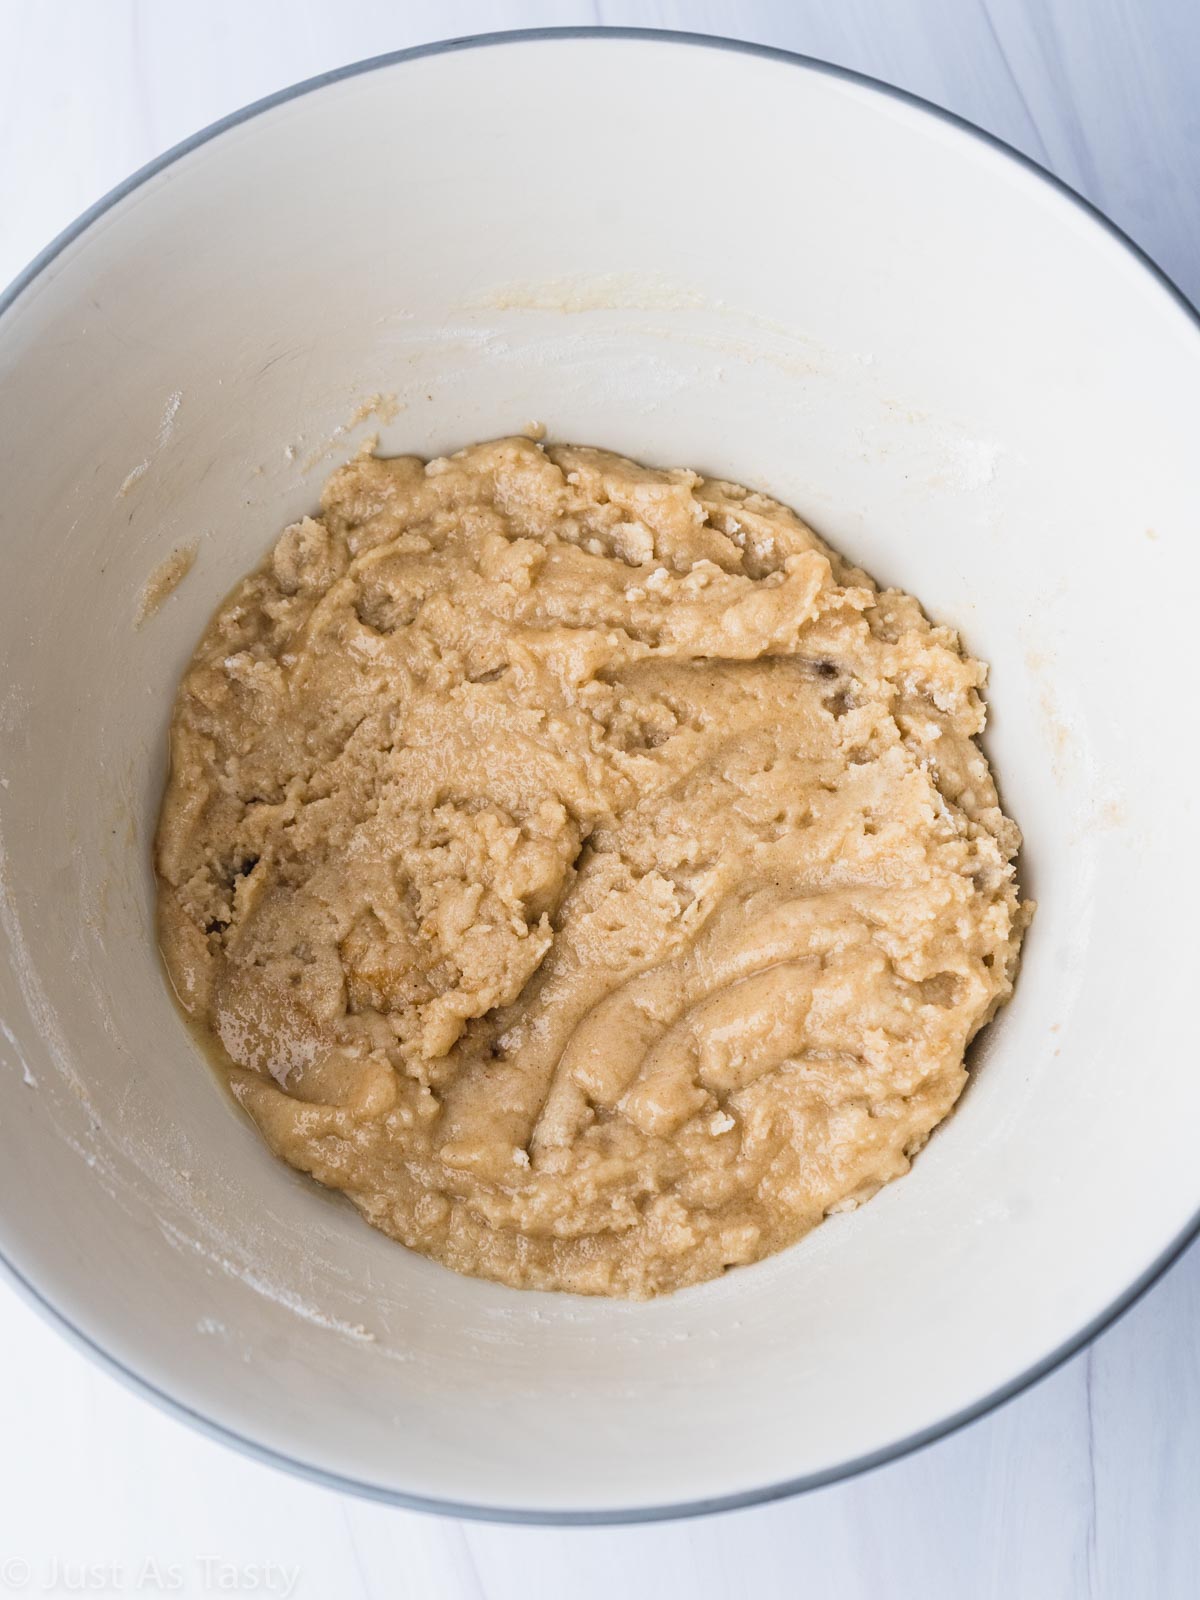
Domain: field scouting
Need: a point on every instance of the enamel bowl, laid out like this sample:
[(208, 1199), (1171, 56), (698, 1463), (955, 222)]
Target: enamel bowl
[(697, 254)]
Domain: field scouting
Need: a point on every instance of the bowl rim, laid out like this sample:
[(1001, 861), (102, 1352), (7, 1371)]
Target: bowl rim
[(75, 1334)]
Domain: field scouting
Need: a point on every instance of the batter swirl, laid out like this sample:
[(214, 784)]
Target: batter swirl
[(581, 866)]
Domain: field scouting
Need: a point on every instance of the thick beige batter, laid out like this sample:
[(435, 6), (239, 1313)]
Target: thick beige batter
[(581, 866)]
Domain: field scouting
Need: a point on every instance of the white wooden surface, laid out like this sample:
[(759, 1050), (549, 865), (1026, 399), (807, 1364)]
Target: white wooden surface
[(1088, 1485)]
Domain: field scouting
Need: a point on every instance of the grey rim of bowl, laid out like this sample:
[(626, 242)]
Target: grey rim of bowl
[(791, 1486)]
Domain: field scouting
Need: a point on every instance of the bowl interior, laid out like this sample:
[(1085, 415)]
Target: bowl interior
[(697, 256)]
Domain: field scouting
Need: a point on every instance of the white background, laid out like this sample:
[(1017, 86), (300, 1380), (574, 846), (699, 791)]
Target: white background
[(1087, 1486)]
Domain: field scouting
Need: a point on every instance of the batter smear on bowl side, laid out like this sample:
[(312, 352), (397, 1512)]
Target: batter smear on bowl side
[(581, 866)]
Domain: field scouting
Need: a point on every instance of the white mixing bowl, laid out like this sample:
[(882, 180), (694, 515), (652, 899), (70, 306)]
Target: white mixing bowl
[(697, 254)]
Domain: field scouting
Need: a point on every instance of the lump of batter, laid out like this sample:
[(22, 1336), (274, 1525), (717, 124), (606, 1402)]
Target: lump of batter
[(581, 866)]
